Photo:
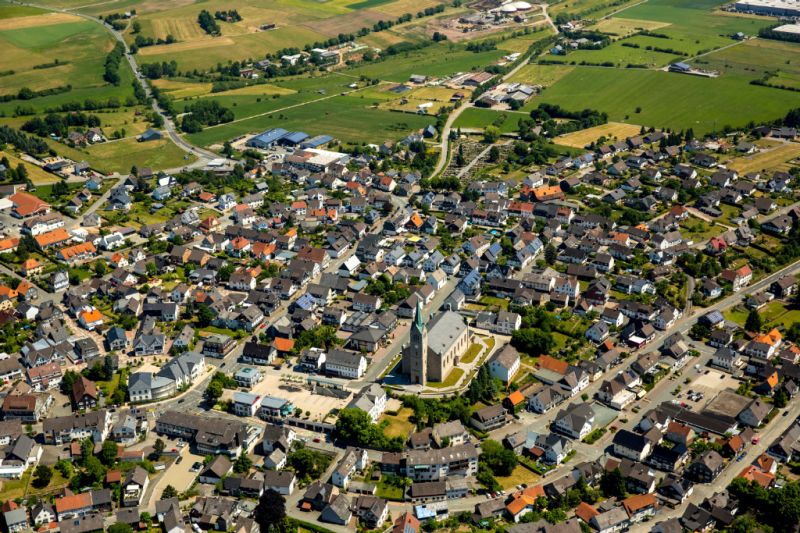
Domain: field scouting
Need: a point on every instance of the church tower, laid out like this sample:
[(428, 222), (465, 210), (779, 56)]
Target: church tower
[(415, 358)]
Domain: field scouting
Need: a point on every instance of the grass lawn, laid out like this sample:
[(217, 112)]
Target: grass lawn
[(698, 230), (777, 313), (736, 314), (489, 341), (399, 425), (389, 492), (491, 301), (109, 387), (561, 340), (471, 353), (765, 160), (450, 381), (15, 488), (520, 475)]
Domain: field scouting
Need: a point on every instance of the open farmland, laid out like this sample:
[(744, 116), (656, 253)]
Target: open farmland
[(32, 41), (778, 62), (544, 75), (622, 27), (771, 158), (612, 130), (120, 156), (348, 118), (299, 22), (667, 100), (479, 118)]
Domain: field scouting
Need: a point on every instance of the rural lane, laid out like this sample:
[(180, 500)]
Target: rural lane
[(169, 125)]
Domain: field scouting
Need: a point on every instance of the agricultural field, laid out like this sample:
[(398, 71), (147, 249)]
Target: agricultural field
[(36, 174), (348, 118), (612, 130), (443, 59), (622, 27), (299, 22), (120, 156), (778, 61), (544, 75), (667, 100), (79, 47), (770, 159), (478, 118)]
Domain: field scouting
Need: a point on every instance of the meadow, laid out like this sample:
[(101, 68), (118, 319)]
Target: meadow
[(347, 118), (667, 100), (30, 39), (120, 156), (479, 118)]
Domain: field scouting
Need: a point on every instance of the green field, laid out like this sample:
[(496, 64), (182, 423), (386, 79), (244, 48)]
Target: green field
[(668, 100), (120, 156), (80, 47), (348, 118), (479, 118)]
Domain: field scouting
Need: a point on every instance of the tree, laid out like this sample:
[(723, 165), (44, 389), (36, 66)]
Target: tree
[(308, 463), (500, 460), (353, 425), (494, 154), (613, 483), (158, 447), (64, 468), (753, 322), (108, 455), (243, 464), (550, 254), (94, 471), (781, 398), (119, 527), (533, 342), (270, 511), (491, 134), (169, 492), (204, 315), (214, 391), (42, 476)]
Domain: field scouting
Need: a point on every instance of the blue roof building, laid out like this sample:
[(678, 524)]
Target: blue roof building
[(268, 139), (316, 142), (293, 139)]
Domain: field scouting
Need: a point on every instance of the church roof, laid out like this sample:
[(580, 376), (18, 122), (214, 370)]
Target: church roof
[(444, 330)]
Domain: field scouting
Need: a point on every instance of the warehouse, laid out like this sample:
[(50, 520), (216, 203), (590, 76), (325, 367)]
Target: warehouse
[(775, 8)]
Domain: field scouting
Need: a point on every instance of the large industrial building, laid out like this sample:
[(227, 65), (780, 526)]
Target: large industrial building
[(774, 8)]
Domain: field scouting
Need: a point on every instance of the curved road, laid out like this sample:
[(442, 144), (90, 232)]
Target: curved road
[(169, 126), (443, 145)]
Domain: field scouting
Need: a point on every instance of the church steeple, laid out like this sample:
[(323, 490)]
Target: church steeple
[(419, 322)]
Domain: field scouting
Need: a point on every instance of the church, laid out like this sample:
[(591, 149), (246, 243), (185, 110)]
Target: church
[(434, 349)]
